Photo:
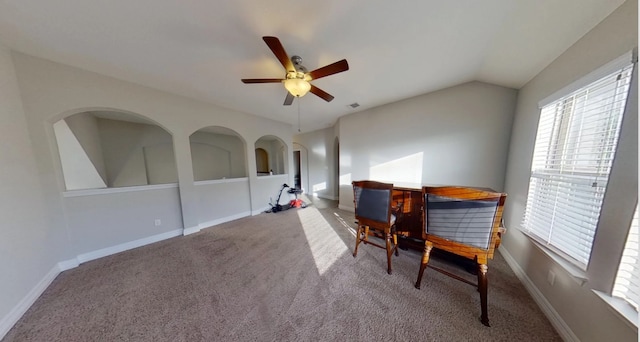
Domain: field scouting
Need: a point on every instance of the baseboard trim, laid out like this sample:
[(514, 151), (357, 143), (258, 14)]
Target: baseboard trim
[(7, 322), (68, 264), (563, 329), (332, 198), (216, 222), (190, 230), (25, 303), (260, 211), (128, 245)]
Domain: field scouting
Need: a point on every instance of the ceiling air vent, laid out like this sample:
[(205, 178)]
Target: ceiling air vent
[(354, 105)]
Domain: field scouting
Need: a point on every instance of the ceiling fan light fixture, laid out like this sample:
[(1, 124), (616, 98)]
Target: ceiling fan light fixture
[(298, 87), (297, 79)]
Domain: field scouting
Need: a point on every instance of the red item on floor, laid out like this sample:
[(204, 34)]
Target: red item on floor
[(296, 203)]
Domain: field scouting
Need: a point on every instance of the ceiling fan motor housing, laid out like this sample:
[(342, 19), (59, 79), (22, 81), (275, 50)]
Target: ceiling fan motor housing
[(297, 77), (297, 63)]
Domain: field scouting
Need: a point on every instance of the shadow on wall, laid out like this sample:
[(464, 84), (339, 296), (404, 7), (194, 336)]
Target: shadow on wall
[(104, 149)]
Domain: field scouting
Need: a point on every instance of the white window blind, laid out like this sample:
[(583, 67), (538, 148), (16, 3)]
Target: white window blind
[(627, 284), (574, 149)]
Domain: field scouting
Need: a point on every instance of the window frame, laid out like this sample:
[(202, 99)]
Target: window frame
[(619, 203), (555, 158)]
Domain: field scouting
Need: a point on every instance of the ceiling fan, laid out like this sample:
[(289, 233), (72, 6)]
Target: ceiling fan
[(297, 78)]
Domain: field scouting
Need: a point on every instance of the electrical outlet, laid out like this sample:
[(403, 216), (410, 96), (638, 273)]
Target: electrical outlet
[(157, 222), (551, 278)]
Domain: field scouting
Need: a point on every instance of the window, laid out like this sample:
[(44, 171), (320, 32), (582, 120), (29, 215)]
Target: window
[(627, 283), (573, 153)]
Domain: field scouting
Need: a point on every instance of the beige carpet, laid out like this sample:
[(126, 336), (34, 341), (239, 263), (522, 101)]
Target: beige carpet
[(286, 276)]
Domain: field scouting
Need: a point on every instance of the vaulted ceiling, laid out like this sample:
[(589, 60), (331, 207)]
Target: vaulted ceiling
[(395, 49)]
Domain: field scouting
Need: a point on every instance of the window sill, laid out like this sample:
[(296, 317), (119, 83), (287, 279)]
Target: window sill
[(107, 191), (220, 181), (620, 308), (576, 273), (272, 176)]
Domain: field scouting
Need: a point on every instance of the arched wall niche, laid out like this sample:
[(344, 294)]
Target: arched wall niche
[(217, 153), (276, 152), (110, 148)]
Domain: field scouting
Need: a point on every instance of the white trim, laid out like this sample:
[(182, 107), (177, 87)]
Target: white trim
[(593, 76), (260, 211), (7, 322), (284, 175), (128, 245), (563, 329), (25, 303), (332, 198), (216, 222), (219, 181), (190, 230), (621, 308), (91, 192), (344, 207), (68, 264), (576, 273)]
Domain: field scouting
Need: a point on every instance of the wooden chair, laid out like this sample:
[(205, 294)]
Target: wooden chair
[(465, 222), (373, 210)]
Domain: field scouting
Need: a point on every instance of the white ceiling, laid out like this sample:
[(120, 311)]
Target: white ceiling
[(395, 49)]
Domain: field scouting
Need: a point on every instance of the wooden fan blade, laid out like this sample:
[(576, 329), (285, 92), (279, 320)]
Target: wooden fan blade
[(288, 100), (261, 80), (274, 44), (321, 93), (330, 69)]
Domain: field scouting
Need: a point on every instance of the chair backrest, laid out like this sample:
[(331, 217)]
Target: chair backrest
[(372, 201), (463, 217)]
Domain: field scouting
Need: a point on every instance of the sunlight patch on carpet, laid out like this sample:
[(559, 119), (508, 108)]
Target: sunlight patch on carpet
[(325, 244), (346, 226)]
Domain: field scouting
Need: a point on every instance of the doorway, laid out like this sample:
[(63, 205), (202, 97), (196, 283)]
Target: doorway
[(297, 179)]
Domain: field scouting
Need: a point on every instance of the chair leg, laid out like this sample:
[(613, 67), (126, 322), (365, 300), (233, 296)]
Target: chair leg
[(482, 287), (358, 234), (389, 251), (395, 243), (425, 259)]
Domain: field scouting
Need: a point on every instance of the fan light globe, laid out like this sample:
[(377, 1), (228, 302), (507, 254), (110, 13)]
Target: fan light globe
[(297, 87)]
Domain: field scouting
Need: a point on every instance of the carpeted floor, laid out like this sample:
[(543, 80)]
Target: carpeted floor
[(286, 276)]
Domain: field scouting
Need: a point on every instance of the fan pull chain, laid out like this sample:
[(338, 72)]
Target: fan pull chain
[(298, 115)]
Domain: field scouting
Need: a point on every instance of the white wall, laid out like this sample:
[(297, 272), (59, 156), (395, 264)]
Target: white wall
[(269, 190), (85, 129), (79, 171), (136, 154), (104, 219), (456, 136), (584, 314), (29, 245), (223, 200), (318, 148)]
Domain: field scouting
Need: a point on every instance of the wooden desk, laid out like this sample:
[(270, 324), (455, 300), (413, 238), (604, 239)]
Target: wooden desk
[(409, 216), (409, 220)]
